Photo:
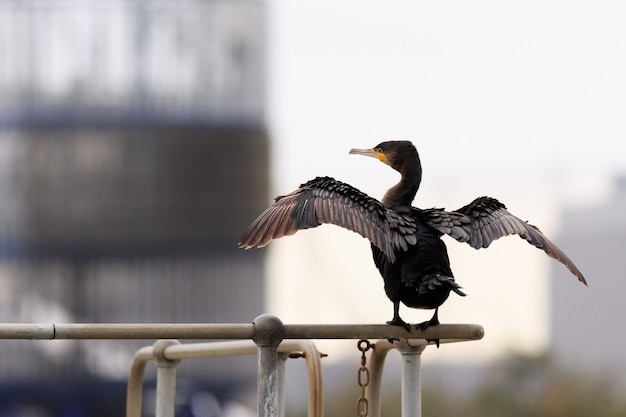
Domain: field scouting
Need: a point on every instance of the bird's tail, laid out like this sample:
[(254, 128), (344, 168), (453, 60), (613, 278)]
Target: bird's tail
[(435, 280), (456, 288)]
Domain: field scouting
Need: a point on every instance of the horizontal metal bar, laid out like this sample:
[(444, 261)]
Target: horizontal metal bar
[(210, 349), (382, 331), (26, 331), (143, 331), (231, 348), (126, 331)]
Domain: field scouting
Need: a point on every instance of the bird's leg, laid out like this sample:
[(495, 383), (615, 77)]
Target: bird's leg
[(397, 321), (432, 322)]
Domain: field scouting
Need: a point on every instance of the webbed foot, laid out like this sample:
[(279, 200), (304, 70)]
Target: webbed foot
[(397, 321), (434, 321)]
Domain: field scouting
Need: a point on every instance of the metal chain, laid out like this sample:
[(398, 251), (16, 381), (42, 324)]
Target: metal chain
[(363, 378)]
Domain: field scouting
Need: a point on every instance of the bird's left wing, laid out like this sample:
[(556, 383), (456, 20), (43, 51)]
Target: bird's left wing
[(326, 200), (486, 219)]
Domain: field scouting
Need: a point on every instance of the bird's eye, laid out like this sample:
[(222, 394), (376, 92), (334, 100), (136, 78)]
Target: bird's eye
[(378, 150)]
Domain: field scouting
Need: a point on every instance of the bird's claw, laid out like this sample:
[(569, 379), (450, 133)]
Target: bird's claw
[(434, 320), (423, 325), (426, 324), (435, 341), (397, 321)]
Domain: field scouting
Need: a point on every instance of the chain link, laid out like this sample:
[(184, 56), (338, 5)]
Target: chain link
[(363, 378)]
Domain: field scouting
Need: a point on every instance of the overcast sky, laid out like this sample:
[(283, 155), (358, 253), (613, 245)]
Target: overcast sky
[(523, 101)]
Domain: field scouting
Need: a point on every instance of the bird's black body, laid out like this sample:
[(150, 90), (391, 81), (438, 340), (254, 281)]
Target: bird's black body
[(406, 241), (421, 276)]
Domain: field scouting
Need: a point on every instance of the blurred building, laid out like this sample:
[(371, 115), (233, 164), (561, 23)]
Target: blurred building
[(133, 153), (587, 321)]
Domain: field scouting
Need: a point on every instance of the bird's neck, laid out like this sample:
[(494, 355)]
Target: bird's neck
[(403, 193)]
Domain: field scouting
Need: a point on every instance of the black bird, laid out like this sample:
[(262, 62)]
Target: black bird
[(406, 241)]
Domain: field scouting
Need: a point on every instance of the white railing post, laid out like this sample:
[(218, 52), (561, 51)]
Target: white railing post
[(411, 377), (282, 361), (166, 379), (269, 332)]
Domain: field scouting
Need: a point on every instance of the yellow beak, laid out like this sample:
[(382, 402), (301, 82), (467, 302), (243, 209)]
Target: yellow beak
[(373, 153)]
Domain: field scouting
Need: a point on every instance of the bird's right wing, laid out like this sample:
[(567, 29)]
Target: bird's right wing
[(326, 200), (486, 219)]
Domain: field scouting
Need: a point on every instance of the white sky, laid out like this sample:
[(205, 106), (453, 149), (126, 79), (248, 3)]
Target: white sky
[(523, 101)]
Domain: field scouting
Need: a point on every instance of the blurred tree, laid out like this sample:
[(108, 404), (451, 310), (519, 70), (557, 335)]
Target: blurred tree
[(518, 385), (523, 385)]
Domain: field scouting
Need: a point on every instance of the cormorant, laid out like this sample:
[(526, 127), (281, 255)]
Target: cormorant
[(406, 241)]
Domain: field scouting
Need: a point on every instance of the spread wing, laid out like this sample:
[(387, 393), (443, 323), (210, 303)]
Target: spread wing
[(326, 200), (486, 219)]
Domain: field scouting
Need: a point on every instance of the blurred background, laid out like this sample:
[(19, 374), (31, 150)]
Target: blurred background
[(134, 151), (139, 138)]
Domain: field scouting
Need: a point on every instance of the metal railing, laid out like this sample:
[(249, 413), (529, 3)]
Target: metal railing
[(271, 340)]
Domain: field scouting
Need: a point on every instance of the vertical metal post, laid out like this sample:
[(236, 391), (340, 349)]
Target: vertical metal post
[(269, 332), (377, 363), (314, 371), (411, 378), (282, 360), (135, 381), (166, 379)]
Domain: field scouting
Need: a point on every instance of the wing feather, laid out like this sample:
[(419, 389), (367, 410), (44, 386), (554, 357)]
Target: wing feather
[(486, 219), (326, 200)]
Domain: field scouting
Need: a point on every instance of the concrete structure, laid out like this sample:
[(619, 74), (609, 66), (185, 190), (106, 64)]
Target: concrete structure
[(584, 320), (133, 152)]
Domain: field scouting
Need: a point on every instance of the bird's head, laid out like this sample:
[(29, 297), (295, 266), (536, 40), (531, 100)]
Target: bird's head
[(402, 156), (394, 153)]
